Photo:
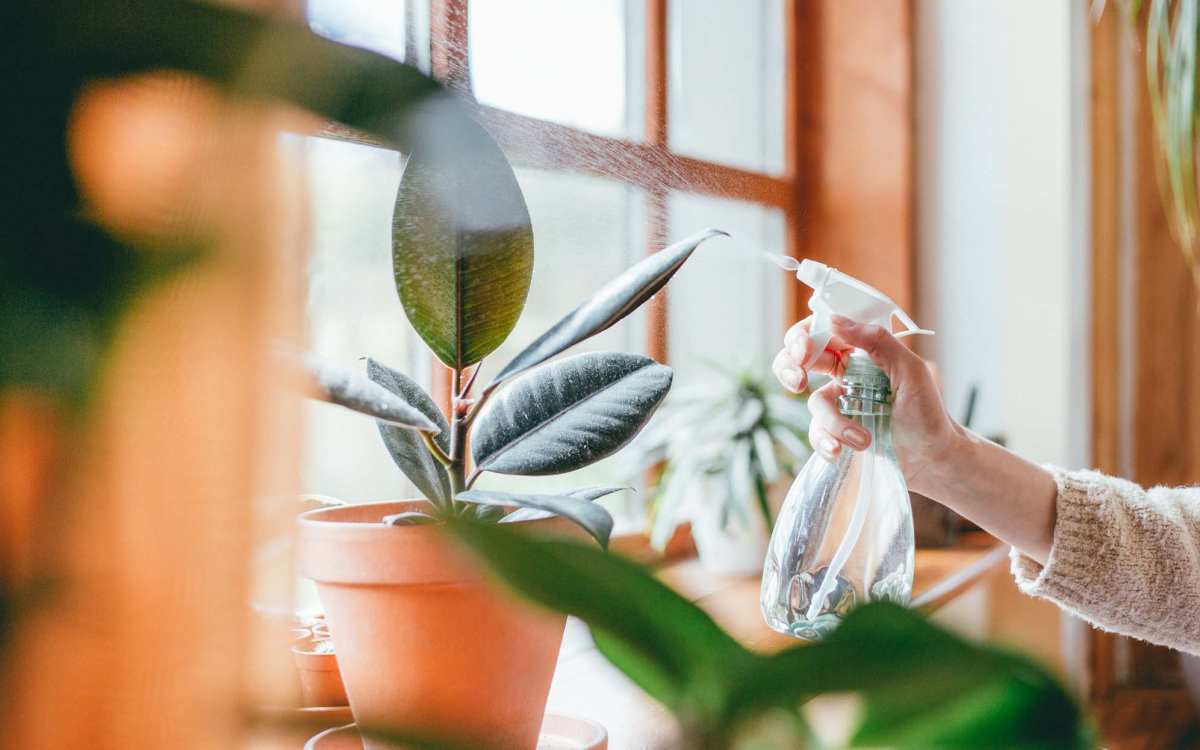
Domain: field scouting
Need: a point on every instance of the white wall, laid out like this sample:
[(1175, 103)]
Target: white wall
[(1000, 153)]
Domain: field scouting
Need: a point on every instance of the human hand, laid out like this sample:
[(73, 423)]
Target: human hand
[(922, 430)]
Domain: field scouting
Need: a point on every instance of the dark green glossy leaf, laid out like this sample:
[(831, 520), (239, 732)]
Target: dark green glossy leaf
[(593, 518), (591, 494), (343, 387), (462, 253), (568, 414), (613, 301), (407, 448), (413, 394), (666, 644)]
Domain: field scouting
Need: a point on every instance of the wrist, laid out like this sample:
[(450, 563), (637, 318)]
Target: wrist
[(944, 462)]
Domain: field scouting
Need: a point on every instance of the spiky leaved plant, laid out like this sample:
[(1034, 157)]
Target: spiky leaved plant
[(734, 437), (462, 254)]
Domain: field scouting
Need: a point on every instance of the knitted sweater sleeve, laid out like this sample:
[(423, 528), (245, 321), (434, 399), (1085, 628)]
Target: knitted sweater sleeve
[(1124, 558)]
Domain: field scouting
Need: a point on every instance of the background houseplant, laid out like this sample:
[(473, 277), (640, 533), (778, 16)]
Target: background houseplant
[(463, 257), (724, 448)]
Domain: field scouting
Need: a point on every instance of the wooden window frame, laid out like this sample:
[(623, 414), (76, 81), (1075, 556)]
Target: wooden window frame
[(1144, 337), (637, 163), (846, 188)]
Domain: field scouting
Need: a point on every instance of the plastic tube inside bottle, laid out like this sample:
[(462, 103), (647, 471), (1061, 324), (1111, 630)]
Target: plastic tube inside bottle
[(862, 504)]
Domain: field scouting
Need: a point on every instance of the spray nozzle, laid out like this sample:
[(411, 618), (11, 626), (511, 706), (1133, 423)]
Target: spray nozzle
[(836, 293)]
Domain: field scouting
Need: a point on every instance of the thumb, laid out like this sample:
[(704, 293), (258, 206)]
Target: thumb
[(884, 349)]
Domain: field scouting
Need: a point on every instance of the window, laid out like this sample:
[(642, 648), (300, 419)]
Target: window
[(620, 119)]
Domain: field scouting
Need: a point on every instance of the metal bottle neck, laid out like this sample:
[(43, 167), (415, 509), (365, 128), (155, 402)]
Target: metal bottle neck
[(866, 390)]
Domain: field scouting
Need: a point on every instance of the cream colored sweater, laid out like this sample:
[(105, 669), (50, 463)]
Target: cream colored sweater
[(1124, 558)]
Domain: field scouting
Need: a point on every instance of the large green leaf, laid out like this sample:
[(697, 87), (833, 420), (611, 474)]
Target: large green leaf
[(568, 414), (613, 301), (407, 448), (921, 686), (672, 649), (413, 394), (462, 253), (593, 518), (343, 387)]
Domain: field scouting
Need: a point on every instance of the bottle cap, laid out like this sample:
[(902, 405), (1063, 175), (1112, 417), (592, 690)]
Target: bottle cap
[(837, 293)]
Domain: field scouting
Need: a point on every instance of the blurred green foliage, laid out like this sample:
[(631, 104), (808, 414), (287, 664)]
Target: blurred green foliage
[(64, 281), (920, 686)]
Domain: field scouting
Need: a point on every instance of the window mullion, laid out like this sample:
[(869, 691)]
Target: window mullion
[(657, 317)]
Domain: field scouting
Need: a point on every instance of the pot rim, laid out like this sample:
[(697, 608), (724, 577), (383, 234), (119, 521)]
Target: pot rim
[(314, 516), (312, 661), (335, 547)]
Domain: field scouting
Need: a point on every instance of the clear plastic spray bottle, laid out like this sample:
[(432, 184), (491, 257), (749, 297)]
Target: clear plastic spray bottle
[(844, 536)]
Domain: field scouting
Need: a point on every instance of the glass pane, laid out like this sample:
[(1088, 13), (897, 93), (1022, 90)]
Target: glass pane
[(353, 311), (374, 24), (726, 304), (586, 230), (569, 61), (726, 82)]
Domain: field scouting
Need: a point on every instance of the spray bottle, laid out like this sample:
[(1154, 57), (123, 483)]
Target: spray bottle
[(844, 536)]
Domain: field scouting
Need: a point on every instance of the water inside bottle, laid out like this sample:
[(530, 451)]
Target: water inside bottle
[(844, 536)]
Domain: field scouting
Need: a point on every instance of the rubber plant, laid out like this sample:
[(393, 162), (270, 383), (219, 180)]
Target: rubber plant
[(462, 252), (919, 686)]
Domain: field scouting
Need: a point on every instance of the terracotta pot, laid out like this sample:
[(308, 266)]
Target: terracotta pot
[(320, 678), (424, 642)]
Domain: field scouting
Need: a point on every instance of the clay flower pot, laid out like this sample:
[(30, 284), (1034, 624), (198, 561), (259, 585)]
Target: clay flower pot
[(423, 640), (320, 679)]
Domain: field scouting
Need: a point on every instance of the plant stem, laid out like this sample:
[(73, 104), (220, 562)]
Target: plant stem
[(474, 475), (457, 466), (432, 444), (470, 381), (475, 406)]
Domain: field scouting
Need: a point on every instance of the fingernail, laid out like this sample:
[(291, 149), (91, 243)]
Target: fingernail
[(790, 378), (842, 320), (856, 437), (827, 446)]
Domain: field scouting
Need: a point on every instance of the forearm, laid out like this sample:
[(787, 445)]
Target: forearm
[(1006, 495)]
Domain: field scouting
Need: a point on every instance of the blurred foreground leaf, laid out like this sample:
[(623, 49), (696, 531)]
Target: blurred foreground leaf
[(921, 686)]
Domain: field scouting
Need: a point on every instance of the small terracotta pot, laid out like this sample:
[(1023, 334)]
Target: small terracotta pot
[(320, 679), (424, 641)]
